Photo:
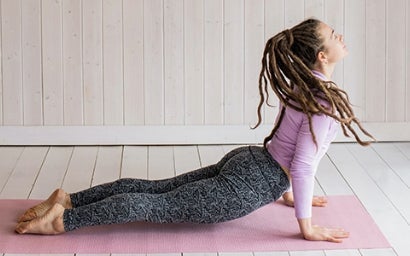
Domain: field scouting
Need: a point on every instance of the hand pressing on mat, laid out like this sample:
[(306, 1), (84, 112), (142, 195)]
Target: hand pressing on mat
[(317, 201), (317, 233)]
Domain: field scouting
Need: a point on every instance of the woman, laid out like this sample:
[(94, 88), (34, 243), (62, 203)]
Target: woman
[(297, 64)]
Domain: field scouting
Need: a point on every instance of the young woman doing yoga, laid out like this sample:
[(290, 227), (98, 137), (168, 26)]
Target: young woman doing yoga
[(297, 64)]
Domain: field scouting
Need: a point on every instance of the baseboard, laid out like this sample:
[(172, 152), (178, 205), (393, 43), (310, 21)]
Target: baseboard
[(166, 135)]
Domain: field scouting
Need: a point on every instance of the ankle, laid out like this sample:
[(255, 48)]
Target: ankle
[(57, 213), (67, 201), (58, 225), (63, 198)]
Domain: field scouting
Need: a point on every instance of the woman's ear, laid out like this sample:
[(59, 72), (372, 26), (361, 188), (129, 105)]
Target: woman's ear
[(322, 58)]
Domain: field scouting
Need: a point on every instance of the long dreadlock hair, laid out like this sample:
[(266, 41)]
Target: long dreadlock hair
[(287, 64)]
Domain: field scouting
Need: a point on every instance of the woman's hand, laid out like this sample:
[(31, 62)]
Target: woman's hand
[(317, 233), (335, 235), (318, 201)]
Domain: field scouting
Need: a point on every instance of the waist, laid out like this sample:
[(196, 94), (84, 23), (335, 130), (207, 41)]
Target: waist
[(284, 169)]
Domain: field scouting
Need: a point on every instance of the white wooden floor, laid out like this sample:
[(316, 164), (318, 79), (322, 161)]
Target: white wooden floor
[(378, 175)]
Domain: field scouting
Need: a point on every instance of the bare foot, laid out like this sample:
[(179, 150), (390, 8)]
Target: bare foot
[(57, 197), (51, 223)]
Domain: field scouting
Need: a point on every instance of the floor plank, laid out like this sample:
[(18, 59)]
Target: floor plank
[(375, 201), (395, 159), (405, 148), (135, 162), (342, 253), (134, 254), (307, 253), (186, 159), (235, 254), (210, 154), (377, 252), (317, 189), (81, 168), (165, 254), (200, 254), (107, 167), (20, 182), (330, 179), (8, 160), (386, 179), (227, 148), (271, 253), (52, 172), (160, 162)]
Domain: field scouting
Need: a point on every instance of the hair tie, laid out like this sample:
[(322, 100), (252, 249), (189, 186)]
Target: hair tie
[(289, 37)]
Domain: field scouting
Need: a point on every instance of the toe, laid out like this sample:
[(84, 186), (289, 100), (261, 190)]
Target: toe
[(28, 215), (21, 228)]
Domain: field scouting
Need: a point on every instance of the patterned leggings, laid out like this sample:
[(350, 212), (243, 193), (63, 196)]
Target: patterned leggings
[(244, 180)]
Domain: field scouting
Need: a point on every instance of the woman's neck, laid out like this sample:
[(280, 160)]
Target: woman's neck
[(320, 75), (326, 70)]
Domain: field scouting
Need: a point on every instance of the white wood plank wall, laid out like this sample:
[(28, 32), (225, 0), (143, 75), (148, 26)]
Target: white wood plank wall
[(184, 62)]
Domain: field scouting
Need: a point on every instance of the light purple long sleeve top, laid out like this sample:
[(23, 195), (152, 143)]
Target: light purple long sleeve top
[(293, 148)]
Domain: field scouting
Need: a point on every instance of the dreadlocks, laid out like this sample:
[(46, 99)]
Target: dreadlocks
[(287, 64)]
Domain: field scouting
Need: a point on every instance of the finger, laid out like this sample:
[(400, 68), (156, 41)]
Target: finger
[(319, 201), (322, 199), (318, 204), (337, 238), (334, 239), (340, 233)]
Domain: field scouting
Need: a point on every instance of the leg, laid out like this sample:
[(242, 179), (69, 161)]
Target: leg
[(200, 202), (122, 186), (128, 185), (192, 202), (246, 182), (204, 201)]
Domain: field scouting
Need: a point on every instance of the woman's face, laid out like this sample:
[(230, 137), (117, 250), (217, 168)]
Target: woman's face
[(335, 49)]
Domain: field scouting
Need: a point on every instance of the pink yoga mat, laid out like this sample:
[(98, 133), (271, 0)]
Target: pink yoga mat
[(271, 228)]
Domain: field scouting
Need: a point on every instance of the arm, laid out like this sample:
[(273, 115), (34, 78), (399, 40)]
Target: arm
[(302, 170), (305, 160)]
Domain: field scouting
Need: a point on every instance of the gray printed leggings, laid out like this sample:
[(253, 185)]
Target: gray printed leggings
[(244, 180)]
